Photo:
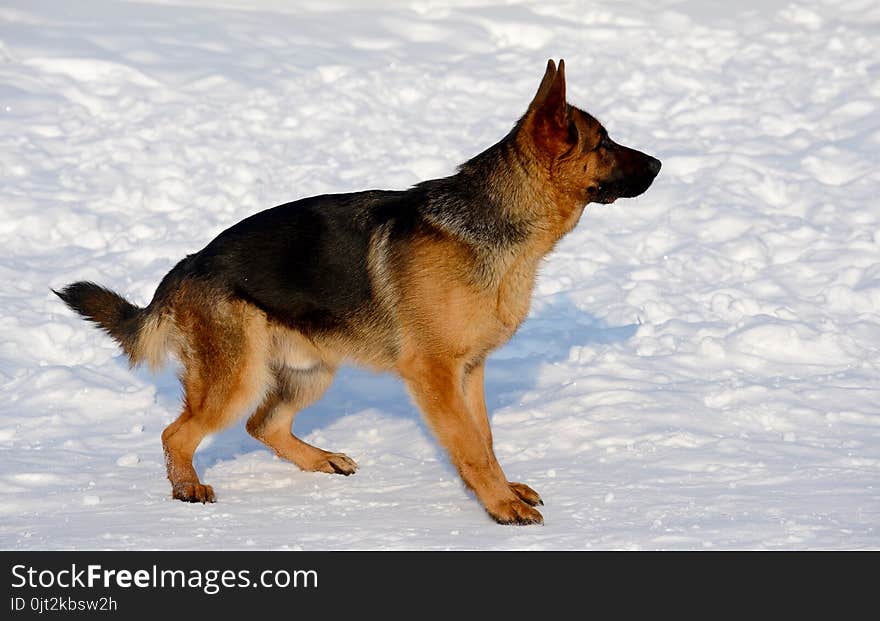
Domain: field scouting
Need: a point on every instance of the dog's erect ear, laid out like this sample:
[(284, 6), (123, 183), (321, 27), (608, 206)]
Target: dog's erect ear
[(548, 108), (554, 103), (544, 88)]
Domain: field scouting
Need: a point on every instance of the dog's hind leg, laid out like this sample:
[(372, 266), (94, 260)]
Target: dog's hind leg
[(225, 374), (180, 440), (271, 423), (207, 408)]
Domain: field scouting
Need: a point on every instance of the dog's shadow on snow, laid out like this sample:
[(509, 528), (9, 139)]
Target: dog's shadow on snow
[(553, 328)]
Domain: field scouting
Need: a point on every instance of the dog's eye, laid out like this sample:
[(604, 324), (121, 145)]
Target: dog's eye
[(605, 142)]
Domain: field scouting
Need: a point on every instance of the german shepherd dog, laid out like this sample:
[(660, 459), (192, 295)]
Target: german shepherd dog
[(425, 282)]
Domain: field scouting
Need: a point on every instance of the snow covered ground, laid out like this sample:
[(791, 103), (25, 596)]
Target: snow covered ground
[(700, 368)]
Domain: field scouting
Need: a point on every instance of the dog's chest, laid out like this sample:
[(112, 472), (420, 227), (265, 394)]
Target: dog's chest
[(512, 295)]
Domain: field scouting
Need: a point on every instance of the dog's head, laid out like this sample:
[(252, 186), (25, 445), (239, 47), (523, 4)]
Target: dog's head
[(584, 164)]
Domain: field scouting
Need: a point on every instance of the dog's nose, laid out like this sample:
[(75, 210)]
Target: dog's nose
[(653, 165)]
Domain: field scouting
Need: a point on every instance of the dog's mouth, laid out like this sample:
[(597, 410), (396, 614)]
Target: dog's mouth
[(602, 193), (605, 194), (605, 197)]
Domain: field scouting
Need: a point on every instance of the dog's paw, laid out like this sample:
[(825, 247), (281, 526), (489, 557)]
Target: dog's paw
[(527, 494), (337, 463), (515, 511), (193, 492)]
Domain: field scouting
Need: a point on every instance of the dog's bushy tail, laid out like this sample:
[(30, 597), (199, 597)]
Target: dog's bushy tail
[(140, 333)]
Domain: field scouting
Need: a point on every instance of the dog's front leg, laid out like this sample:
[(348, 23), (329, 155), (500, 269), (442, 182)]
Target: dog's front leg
[(474, 383), (437, 386)]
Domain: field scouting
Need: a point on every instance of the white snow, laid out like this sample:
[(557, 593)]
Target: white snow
[(700, 366)]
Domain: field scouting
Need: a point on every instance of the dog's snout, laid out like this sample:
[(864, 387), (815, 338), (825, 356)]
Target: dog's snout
[(654, 165)]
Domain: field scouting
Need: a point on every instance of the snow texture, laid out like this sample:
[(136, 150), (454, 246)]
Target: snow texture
[(700, 365)]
